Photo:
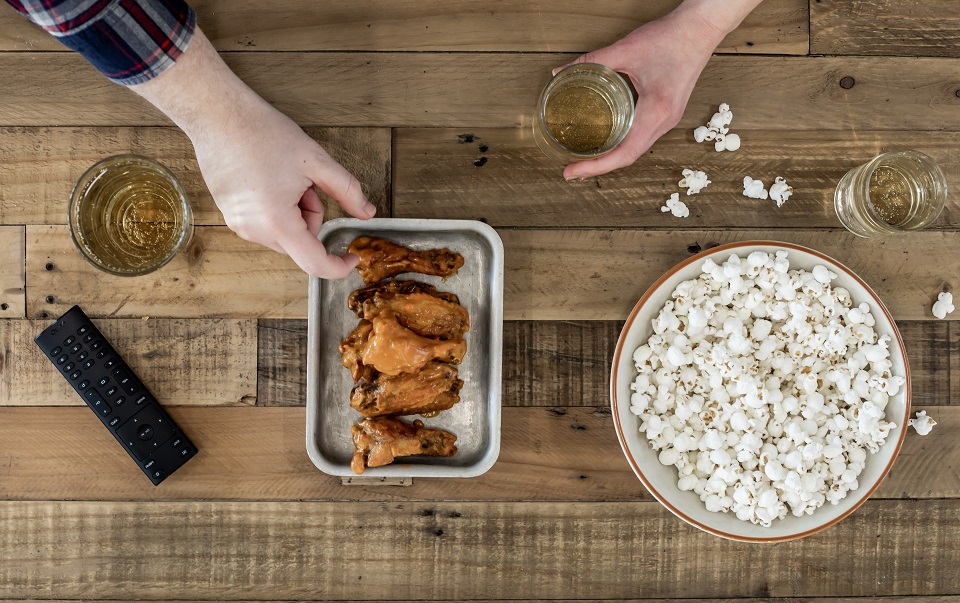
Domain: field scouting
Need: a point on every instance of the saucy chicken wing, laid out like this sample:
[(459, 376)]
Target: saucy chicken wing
[(392, 348), (378, 441), (351, 352), (433, 389), (421, 313), (356, 299), (381, 259)]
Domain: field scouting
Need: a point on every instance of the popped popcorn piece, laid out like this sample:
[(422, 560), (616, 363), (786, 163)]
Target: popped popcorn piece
[(694, 181), (753, 188), (943, 305), (922, 424), (718, 131), (780, 191), (765, 387), (675, 206)]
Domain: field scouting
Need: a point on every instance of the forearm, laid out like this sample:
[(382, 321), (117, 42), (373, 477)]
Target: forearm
[(714, 19)]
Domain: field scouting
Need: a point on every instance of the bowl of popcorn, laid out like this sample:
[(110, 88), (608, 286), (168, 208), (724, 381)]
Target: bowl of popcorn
[(760, 391)]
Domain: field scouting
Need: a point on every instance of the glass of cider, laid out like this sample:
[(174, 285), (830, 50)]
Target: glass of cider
[(898, 191), (584, 112), (129, 215)]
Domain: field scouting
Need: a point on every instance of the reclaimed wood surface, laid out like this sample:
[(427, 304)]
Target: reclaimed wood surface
[(776, 27), (429, 103)]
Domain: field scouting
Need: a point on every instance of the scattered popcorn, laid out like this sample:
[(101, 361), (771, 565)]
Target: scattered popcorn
[(676, 206), (765, 387), (943, 305), (753, 188), (922, 424), (718, 131), (780, 191), (694, 181)]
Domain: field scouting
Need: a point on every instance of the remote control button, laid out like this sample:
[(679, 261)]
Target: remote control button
[(156, 474), (112, 391), (149, 464), (69, 367), (141, 400), (88, 338), (160, 431), (82, 356), (89, 363), (69, 341), (96, 345), (185, 452), (76, 348), (97, 402), (114, 421), (74, 375), (125, 380), (62, 359), (103, 381), (83, 329), (84, 384), (101, 354), (177, 442), (109, 363), (119, 401), (55, 352)]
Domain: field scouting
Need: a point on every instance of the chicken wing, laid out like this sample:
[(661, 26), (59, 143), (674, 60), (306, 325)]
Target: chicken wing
[(356, 299), (380, 259), (392, 348), (351, 352), (378, 441), (433, 389), (421, 313)]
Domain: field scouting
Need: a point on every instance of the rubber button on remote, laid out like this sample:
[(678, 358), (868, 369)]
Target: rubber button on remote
[(88, 338), (88, 364), (160, 432), (69, 367), (69, 340), (108, 363), (55, 352), (62, 359), (74, 375), (112, 391), (145, 433), (83, 330), (82, 356), (84, 384), (96, 345), (125, 380), (114, 421), (76, 348), (149, 464), (97, 402), (104, 381)]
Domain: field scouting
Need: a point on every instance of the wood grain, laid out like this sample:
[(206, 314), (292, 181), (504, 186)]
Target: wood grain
[(926, 599), (485, 90), (886, 27), (550, 274), (562, 363), (39, 166), (437, 176), (462, 550), (775, 27), (12, 275), (258, 453), (183, 362)]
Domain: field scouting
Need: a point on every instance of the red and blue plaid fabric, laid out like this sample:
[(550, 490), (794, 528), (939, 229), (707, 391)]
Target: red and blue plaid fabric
[(129, 41)]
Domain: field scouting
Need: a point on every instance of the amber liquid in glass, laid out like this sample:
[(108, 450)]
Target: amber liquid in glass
[(890, 195), (580, 118), (130, 218)]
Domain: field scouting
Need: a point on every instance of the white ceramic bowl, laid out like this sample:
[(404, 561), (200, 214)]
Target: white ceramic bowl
[(661, 480)]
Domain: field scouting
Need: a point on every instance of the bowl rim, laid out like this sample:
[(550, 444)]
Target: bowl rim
[(619, 427)]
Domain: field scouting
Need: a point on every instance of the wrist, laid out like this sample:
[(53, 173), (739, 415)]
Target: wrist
[(710, 21)]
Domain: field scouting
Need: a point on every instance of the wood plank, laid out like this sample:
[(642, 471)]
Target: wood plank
[(939, 599), (39, 166), (562, 363), (775, 27), (550, 274), (414, 89), (886, 27), (183, 362), (463, 550), (258, 454), (12, 275), (437, 176)]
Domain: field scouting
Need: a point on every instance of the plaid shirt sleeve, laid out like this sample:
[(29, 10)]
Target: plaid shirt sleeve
[(129, 41)]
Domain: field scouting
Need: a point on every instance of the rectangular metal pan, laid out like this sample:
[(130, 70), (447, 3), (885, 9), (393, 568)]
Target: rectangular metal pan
[(476, 418)]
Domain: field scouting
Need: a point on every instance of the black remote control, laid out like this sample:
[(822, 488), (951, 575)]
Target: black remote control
[(90, 364)]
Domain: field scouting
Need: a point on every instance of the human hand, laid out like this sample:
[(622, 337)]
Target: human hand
[(663, 60), (261, 168)]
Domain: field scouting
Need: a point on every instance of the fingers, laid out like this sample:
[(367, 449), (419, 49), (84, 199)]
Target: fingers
[(311, 209), (333, 179), (640, 138), (308, 252)]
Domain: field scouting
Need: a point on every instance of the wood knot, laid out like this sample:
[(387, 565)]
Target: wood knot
[(847, 82), (48, 266), (50, 299)]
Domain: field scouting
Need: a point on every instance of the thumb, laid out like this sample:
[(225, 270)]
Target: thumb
[(600, 56), (333, 179)]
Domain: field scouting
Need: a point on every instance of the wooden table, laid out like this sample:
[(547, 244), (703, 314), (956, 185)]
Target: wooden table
[(411, 96)]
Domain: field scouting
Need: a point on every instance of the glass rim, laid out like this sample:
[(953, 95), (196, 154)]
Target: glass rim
[(542, 108), (73, 201)]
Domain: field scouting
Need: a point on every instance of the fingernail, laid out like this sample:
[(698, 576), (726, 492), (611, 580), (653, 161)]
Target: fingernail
[(369, 210)]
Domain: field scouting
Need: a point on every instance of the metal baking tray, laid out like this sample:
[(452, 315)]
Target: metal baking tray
[(476, 418)]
